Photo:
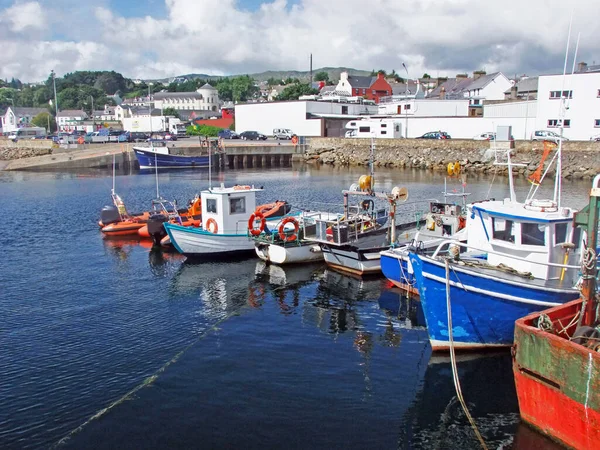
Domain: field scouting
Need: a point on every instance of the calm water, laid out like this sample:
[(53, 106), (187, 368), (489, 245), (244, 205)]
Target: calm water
[(107, 344)]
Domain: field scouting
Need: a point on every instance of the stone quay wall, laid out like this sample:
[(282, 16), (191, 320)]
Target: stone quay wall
[(25, 148), (580, 159)]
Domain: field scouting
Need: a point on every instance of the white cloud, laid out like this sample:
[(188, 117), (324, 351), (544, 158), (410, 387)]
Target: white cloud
[(441, 37), (23, 16)]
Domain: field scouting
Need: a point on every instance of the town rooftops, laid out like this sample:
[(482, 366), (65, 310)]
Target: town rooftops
[(361, 82), (208, 86), (164, 95), (529, 84), (25, 111), (71, 113), (482, 81), (452, 87)]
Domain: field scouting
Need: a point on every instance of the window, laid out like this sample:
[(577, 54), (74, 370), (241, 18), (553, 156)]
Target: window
[(476, 102), (554, 123), (383, 132), (503, 229), (365, 91), (406, 107), (397, 127), (565, 94), (597, 122), (384, 125), (533, 233), (560, 233), (344, 110), (374, 91), (237, 205), (364, 129), (211, 205), (576, 237), (598, 95)]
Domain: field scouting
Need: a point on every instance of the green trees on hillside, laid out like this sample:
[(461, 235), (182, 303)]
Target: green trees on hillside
[(294, 91), (237, 89), (44, 119)]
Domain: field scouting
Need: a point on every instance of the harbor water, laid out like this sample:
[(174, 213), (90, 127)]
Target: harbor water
[(106, 343)]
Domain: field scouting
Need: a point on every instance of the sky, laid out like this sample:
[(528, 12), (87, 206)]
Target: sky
[(164, 38)]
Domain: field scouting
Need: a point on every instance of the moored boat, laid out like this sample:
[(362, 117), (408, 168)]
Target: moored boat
[(168, 157), (556, 359)]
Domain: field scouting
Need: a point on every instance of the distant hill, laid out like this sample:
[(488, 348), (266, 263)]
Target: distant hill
[(333, 72)]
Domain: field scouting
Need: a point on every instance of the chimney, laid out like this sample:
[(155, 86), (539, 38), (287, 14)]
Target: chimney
[(443, 93), (380, 76), (478, 73), (514, 90), (582, 67), (461, 76)]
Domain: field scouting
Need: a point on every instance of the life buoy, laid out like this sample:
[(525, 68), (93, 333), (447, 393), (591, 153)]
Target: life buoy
[(241, 188), (211, 226), (251, 222), (80, 140), (295, 140), (282, 234), (541, 205)]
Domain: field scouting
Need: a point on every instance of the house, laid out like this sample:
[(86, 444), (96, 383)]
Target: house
[(70, 119), (106, 114), (452, 88), (526, 89), (17, 117), (274, 92), (372, 88), (205, 98), (486, 87)]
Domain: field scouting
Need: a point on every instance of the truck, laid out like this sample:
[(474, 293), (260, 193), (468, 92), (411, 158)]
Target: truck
[(373, 127), (176, 127)]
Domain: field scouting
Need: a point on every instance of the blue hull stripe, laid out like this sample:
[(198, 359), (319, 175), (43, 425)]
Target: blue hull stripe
[(485, 312)]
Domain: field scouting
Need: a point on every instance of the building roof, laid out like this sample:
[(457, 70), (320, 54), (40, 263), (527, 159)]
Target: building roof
[(482, 81), (164, 95), (400, 88), (529, 84), (25, 111), (360, 82), (71, 113), (208, 86), (453, 87)]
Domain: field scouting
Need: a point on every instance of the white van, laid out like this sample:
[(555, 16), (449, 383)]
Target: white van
[(282, 133), (28, 133)]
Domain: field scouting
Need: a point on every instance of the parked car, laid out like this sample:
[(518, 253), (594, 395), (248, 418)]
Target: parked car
[(252, 136), (435, 135), (350, 133), (545, 135), (595, 138), (228, 134), (133, 136), (282, 133), (485, 137)]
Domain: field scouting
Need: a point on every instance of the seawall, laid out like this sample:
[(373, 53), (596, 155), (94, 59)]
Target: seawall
[(580, 159)]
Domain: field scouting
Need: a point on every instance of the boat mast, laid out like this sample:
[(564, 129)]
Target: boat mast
[(209, 166), (113, 187), (156, 176), (511, 184)]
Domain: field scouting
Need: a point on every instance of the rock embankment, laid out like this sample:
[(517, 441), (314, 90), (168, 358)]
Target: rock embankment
[(10, 153), (579, 160)]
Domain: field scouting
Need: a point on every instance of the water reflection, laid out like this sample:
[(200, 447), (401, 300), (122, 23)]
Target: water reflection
[(436, 419)]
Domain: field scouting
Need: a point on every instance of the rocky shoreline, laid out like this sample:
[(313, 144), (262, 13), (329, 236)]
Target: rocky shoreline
[(580, 160), (12, 153)]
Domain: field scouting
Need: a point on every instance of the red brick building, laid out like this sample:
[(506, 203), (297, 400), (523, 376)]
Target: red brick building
[(372, 88)]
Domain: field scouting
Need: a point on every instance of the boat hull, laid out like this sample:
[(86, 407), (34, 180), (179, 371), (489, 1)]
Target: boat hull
[(291, 254), (149, 159), (484, 309), (196, 241), (557, 381), (124, 228), (397, 268), (351, 260)]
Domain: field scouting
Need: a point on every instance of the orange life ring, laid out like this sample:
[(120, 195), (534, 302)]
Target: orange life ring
[(294, 140), (211, 226), (285, 237), (81, 140), (256, 231)]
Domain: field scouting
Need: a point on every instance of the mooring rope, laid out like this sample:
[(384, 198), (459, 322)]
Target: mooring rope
[(147, 382), (453, 362)]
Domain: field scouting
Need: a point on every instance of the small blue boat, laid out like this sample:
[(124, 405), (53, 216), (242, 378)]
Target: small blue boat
[(164, 158)]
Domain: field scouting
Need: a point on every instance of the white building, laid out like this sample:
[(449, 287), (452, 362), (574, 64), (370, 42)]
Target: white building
[(206, 98), (486, 87), (17, 117), (424, 107), (582, 93), (304, 118), (70, 119)]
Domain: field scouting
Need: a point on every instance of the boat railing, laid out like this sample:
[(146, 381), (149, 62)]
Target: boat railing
[(341, 231), (450, 242)]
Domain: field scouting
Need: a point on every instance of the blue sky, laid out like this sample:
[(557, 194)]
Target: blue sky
[(165, 38)]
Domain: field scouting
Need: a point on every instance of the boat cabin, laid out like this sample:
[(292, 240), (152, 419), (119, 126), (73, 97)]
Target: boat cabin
[(226, 210), (537, 235), (443, 219)]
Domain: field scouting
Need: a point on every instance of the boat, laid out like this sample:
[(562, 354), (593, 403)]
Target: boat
[(527, 247), (168, 212), (443, 220), (556, 359), (353, 242), (285, 243), (168, 157), (223, 232)]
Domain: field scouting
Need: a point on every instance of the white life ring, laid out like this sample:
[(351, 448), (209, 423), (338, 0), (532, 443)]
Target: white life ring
[(541, 205)]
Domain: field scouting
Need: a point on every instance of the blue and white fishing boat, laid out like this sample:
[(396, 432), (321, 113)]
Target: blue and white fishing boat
[(531, 247), (168, 157)]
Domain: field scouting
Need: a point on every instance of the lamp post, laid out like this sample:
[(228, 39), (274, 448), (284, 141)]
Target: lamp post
[(150, 108), (406, 98), (93, 119), (55, 100)]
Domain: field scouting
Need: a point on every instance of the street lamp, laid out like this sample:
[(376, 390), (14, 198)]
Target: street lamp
[(93, 119), (55, 101), (407, 92)]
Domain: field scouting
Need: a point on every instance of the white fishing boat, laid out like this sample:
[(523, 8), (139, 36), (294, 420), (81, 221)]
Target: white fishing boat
[(285, 244), (225, 212)]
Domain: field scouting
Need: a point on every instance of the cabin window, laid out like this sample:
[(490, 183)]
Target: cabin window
[(533, 233), (344, 110), (364, 129), (560, 233), (576, 237), (237, 205), (503, 229), (211, 205)]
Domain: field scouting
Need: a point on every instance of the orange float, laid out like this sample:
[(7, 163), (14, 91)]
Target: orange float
[(251, 222), (211, 226), (283, 235)]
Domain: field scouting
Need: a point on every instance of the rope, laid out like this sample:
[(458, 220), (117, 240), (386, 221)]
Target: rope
[(408, 283), (453, 362), (588, 260), (492, 183), (545, 324)]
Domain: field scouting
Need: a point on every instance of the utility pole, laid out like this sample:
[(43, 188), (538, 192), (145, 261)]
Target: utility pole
[(93, 120), (407, 92), (311, 70), (55, 100)]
